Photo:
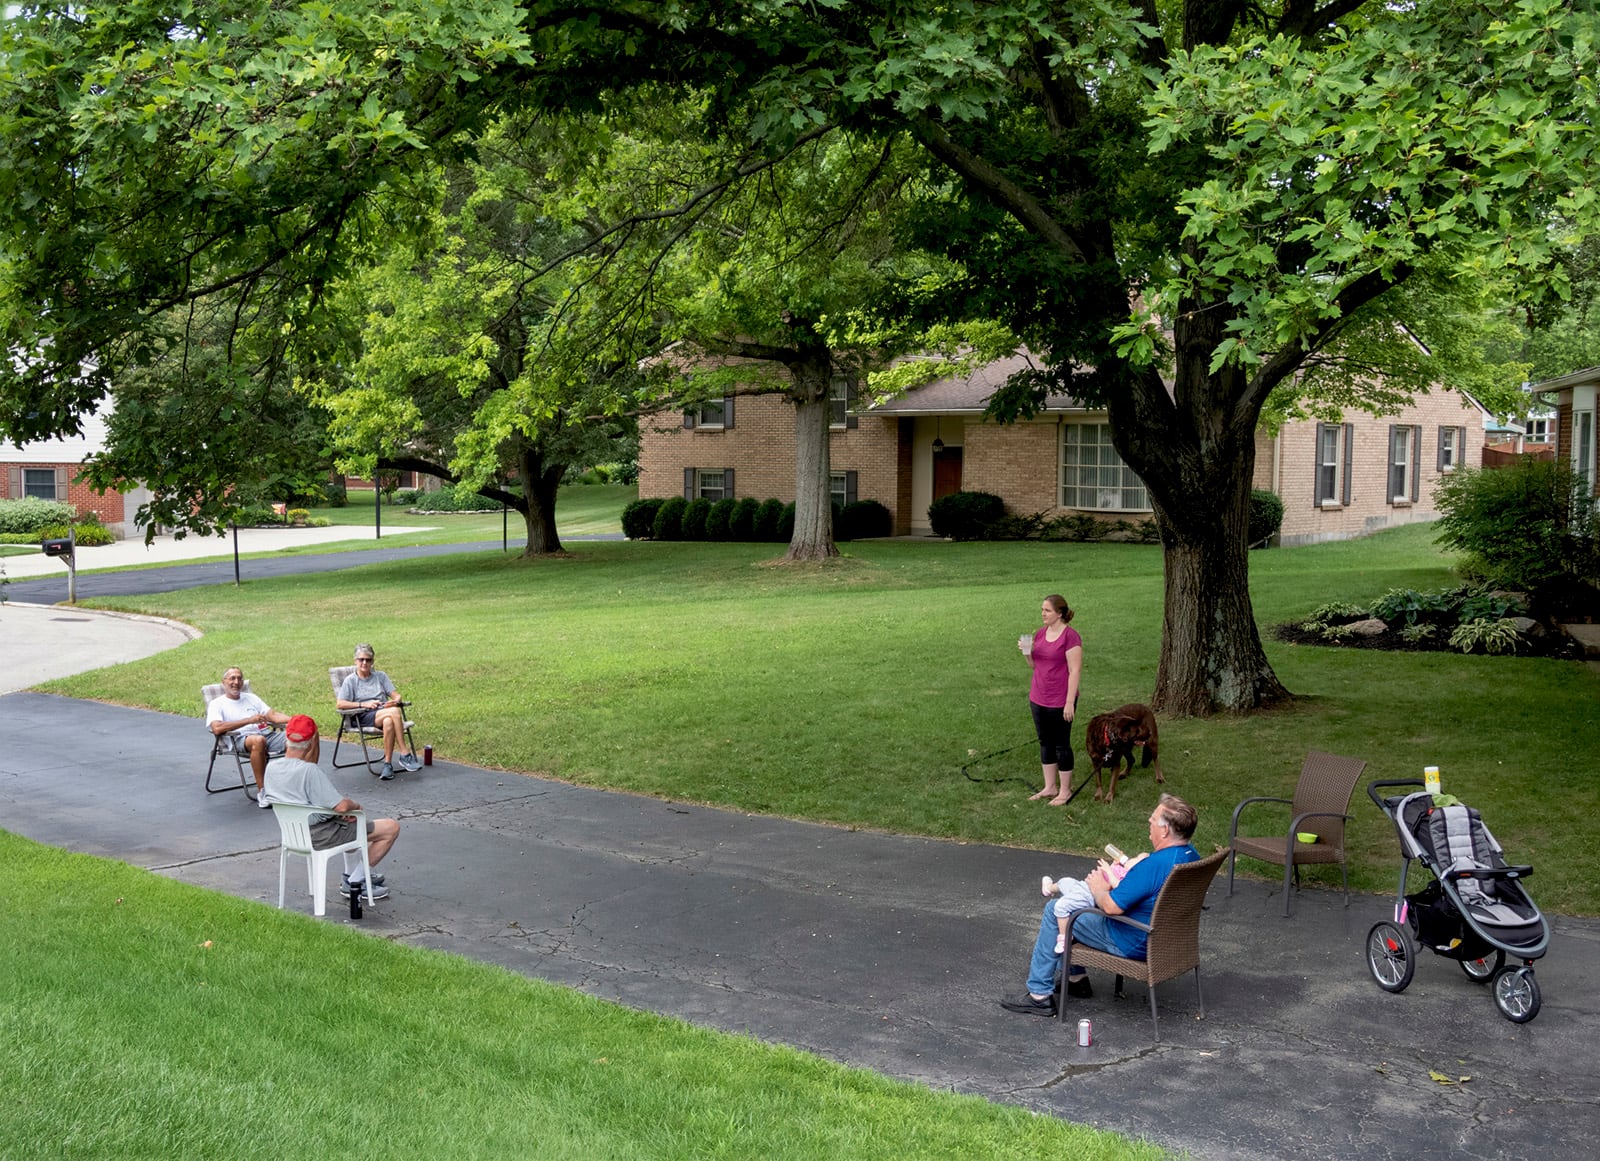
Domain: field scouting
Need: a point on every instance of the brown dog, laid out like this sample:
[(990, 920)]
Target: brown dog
[(1112, 738)]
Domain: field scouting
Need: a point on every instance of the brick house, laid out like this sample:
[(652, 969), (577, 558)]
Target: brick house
[(1576, 398), (1336, 480), (48, 469)]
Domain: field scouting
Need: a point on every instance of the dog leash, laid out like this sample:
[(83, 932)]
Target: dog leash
[(973, 761)]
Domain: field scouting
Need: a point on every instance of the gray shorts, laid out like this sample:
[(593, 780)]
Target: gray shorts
[(330, 832), (276, 741)]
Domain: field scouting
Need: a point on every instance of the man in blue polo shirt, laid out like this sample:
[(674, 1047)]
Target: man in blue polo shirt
[(1172, 825)]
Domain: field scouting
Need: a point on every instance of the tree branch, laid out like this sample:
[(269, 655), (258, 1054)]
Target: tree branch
[(1004, 192)]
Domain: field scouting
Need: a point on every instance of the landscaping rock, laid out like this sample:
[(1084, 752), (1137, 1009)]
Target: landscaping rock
[(1528, 627), (1371, 627)]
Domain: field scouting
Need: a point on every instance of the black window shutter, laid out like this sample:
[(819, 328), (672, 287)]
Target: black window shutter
[(849, 487), (688, 419), (850, 420), (1438, 465), (1416, 461), (727, 411), (727, 479), (688, 483), (1349, 454)]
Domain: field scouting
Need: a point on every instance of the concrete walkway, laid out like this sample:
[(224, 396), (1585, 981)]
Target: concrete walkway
[(876, 950)]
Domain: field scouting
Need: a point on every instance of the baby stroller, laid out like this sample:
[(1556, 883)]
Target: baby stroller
[(1475, 911)]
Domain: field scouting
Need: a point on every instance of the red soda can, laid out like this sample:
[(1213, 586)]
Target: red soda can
[(1085, 1033), (427, 755)]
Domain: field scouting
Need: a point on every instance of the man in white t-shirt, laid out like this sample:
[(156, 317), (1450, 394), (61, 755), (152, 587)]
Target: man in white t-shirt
[(297, 780), (252, 725)]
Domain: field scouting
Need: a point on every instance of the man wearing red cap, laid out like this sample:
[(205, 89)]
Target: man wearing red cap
[(295, 781)]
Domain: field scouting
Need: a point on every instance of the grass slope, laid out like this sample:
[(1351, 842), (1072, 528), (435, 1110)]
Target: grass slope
[(148, 1019)]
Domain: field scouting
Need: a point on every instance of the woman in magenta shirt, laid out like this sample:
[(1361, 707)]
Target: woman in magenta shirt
[(1056, 653)]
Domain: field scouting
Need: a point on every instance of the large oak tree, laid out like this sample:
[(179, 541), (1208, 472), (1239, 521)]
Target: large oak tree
[(1184, 206)]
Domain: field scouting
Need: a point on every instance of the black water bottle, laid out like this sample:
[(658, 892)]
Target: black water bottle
[(355, 900)]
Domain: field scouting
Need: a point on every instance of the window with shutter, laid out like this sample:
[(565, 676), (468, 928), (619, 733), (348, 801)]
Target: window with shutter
[(43, 483)]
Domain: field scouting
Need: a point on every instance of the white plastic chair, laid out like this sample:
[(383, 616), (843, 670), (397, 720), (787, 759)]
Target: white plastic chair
[(295, 824), (350, 723)]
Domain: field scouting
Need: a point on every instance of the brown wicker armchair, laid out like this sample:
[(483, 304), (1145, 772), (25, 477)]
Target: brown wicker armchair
[(1320, 800), (1174, 946)]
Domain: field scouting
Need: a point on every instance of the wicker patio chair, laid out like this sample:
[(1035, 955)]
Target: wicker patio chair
[(1321, 799), (1174, 946)]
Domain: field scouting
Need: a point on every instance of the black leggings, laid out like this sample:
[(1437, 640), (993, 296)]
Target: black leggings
[(1055, 736)]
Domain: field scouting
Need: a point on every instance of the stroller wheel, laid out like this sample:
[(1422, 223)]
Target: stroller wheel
[(1391, 956), (1516, 994), (1481, 971)]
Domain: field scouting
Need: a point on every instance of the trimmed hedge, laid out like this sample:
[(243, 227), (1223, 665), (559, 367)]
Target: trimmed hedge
[(862, 519), (669, 519), (694, 518), (639, 518), (966, 515), (453, 500), (768, 519), (31, 515), (719, 520), (1266, 515), (742, 524)]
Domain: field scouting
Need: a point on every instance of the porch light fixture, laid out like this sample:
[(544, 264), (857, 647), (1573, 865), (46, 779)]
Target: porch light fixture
[(938, 441)]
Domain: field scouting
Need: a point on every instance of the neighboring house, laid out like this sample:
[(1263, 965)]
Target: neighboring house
[(1336, 480), (1576, 398), (48, 468)]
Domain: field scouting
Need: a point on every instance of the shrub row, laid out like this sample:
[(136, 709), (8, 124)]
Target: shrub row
[(749, 519), (983, 516), (453, 500), (88, 533)]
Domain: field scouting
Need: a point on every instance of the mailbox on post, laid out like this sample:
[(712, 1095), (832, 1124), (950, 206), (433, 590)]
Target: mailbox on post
[(65, 547)]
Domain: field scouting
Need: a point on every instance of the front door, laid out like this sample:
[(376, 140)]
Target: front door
[(946, 471)]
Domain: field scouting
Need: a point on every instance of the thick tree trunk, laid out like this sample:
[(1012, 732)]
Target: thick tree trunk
[(1194, 448), (539, 484), (1211, 654), (813, 502)]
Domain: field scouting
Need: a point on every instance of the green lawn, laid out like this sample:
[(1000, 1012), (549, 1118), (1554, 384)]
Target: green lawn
[(581, 510), (854, 693), (144, 1018)]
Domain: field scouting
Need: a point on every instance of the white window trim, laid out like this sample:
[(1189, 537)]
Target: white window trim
[(1401, 439), (700, 475), (839, 391), (1122, 488), (1334, 498)]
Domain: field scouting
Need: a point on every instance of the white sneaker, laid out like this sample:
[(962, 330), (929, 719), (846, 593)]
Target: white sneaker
[(1061, 944), (262, 802), (1047, 886)]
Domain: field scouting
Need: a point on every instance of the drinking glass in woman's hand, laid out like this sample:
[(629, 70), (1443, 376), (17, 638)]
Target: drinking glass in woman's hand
[(1025, 643)]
